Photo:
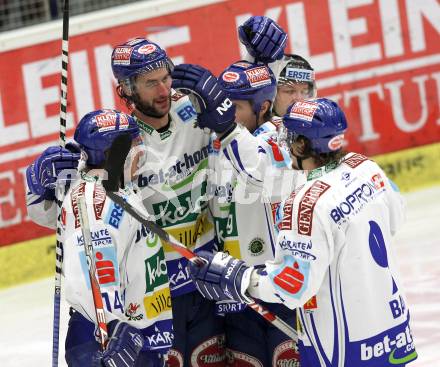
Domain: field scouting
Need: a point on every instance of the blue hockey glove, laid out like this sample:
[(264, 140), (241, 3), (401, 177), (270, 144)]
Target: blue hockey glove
[(124, 345), (215, 110), (41, 175), (264, 39), (222, 277)]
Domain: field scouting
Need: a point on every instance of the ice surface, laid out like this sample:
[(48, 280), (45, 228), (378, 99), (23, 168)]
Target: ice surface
[(26, 311)]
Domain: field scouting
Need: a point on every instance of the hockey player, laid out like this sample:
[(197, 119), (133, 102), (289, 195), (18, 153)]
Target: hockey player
[(171, 183), (244, 218), (296, 82), (139, 332), (265, 41), (176, 157), (334, 245)]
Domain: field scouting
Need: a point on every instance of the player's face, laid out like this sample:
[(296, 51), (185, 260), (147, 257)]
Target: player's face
[(288, 94), (244, 114), (153, 93)]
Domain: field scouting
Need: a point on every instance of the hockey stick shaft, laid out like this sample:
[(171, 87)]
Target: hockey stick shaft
[(94, 284), (191, 256), (62, 141), (64, 70)]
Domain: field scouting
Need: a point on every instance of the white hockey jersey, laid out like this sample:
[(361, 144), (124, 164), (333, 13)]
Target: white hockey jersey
[(130, 263), (173, 183), (242, 213), (334, 261)]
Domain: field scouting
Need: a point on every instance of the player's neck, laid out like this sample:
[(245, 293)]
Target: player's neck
[(155, 122)]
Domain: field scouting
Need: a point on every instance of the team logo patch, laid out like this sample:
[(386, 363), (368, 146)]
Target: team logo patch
[(147, 49), (336, 142), (174, 358), (107, 121), (307, 205), (256, 246), (355, 160), (236, 358), (122, 55), (230, 76), (211, 352), (258, 76), (303, 110), (286, 354), (131, 312)]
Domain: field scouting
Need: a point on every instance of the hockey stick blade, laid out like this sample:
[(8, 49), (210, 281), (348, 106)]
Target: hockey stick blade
[(114, 164)]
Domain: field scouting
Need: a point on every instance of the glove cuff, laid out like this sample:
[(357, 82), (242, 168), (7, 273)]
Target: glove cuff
[(245, 282)]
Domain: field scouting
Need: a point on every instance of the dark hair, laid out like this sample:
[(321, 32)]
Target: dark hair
[(320, 159)]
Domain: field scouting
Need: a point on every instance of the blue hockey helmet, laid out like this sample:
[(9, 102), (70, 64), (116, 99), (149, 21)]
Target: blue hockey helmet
[(138, 56), (96, 131), (320, 120), (247, 81)]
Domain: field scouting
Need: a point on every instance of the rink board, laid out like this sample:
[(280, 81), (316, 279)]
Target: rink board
[(410, 169), (413, 169), (26, 261)]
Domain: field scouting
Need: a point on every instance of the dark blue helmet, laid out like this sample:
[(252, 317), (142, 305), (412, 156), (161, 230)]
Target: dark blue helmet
[(137, 56), (320, 120), (97, 130), (246, 81)]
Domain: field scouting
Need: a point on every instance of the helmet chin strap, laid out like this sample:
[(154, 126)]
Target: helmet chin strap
[(300, 159), (300, 163)]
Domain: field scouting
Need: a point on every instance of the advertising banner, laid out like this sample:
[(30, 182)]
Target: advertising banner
[(380, 60)]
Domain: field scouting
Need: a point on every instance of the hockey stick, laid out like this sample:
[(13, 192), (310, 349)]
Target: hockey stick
[(60, 193), (191, 256), (114, 165), (64, 67), (94, 284)]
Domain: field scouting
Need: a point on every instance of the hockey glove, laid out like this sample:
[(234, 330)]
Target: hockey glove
[(41, 175), (124, 345), (215, 110), (222, 277), (264, 39)]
